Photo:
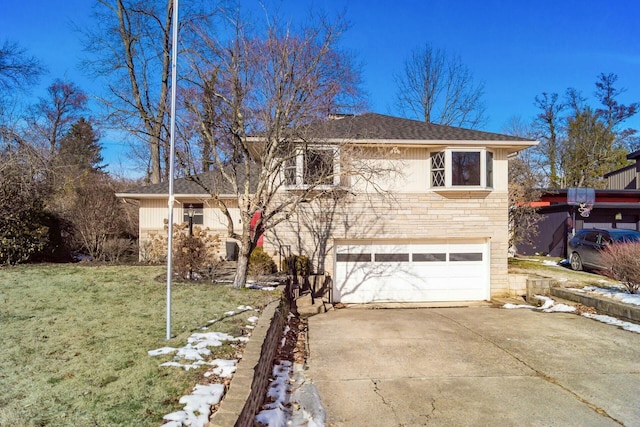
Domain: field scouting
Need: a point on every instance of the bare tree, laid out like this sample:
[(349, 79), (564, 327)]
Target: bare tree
[(130, 44), (581, 142), (548, 124), (18, 71), (525, 179), (439, 89), (265, 91), (53, 116)]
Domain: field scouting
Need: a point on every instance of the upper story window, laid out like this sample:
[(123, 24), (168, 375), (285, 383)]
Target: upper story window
[(452, 168), (316, 167)]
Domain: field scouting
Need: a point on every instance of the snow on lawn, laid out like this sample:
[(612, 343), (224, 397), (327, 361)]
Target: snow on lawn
[(198, 404)]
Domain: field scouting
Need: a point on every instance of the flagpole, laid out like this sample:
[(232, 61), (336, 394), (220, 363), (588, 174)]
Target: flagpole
[(172, 139)]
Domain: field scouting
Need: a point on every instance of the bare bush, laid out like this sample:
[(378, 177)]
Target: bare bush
[(115, 249), (191, 253), (190, 256), (622, 263)]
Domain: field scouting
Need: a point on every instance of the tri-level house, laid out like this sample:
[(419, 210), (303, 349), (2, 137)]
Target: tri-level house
[(421, 213)]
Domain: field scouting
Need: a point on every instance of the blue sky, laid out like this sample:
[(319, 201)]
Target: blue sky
[(517, 49)]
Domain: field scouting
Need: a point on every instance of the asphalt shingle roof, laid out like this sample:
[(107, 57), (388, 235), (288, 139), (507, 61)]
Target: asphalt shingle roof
[(211, 181), (368, 126), (378, 126)]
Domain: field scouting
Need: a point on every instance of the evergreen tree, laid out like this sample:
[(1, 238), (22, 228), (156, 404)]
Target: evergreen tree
[(79, 149)]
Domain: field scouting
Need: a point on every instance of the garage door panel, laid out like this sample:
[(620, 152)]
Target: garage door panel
[(411, 272)]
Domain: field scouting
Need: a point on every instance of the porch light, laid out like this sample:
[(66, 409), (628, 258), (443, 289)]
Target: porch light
[(191, 212)]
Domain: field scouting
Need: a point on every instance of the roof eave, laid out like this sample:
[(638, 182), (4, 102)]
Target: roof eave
[(177, 196), (511, 146)]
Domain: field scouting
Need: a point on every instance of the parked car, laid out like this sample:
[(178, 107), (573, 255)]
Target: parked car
[(584, 248)]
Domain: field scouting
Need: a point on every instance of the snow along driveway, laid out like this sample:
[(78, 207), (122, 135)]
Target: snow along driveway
[(472, 366)]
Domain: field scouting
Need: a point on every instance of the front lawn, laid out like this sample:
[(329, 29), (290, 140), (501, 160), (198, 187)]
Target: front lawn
[(74, 342), (550, 267)]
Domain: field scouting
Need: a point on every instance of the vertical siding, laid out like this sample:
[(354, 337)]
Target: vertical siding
[(625, 179), (153, 213), (500, 170)]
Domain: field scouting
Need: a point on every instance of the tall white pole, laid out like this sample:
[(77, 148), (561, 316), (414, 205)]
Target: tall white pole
[(172, 138)]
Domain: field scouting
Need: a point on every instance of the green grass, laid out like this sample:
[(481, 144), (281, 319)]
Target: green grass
[(74, 342), (564, 276)]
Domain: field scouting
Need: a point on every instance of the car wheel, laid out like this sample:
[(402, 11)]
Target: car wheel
[(576, 262)]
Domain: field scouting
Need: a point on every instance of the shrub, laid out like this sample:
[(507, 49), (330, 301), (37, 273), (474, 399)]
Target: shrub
[(115, 249), (190, 255), (622, 263), (19, 241), (261, 263), (301, 265), (154, 249)]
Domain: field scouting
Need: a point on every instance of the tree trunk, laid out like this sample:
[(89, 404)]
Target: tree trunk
[(155, 160), (243, 264)]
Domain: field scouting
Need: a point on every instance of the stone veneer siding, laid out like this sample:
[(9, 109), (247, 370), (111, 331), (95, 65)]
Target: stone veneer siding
[(432, 216)]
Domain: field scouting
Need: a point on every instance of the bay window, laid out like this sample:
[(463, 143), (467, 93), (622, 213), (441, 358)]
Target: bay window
[(461, 168)]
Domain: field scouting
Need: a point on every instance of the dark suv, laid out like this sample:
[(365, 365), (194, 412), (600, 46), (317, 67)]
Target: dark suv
[(584, 248)]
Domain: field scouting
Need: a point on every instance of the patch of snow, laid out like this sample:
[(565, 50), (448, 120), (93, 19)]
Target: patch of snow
[(163, 350), (615, 294), (627, 326), (223, 368), (512, 306), (548, 306), (277, 413), (306, 403), (197, 406), (263, 287), (560, 308), (547, 302)]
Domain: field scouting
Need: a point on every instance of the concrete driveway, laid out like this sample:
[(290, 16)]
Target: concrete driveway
[(473, 366)]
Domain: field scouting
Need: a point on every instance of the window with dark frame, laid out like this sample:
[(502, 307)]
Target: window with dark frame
[(198, 213), (465, 168)]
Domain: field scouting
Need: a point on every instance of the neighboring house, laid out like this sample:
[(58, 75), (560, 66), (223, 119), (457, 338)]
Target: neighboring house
[(433, 227), (618, 206)]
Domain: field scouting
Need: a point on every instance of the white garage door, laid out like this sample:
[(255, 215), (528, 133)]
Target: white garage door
[(411, 272)]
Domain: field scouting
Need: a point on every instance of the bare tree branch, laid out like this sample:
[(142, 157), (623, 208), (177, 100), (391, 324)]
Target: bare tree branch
[(439, 89)]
